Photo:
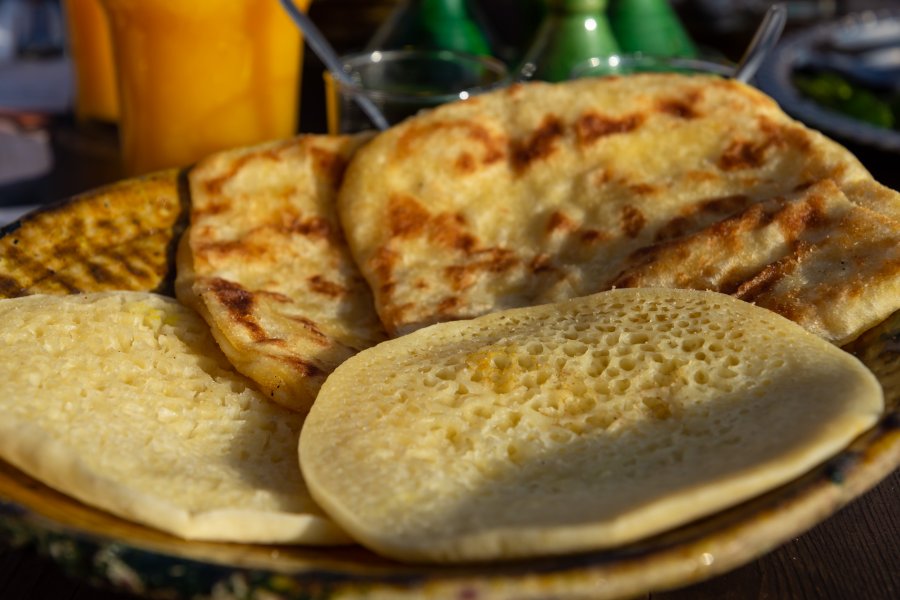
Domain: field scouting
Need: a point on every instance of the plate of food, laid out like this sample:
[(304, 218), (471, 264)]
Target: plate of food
[(842, 77), (588, 339)]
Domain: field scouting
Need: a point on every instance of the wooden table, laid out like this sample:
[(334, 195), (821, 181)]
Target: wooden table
[(853, 555)]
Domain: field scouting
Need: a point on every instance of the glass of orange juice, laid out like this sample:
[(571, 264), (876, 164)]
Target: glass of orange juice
[(95, 77), (199, 76)]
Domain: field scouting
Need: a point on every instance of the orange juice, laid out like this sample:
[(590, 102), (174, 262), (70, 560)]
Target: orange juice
[(95, 77), (198, 76)]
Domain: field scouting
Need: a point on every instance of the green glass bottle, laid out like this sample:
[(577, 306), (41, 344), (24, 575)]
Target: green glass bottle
[(649, 27), (434, 25), (572, 31)]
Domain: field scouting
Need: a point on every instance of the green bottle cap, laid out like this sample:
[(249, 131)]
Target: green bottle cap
[(435, 25), (572, 32), (649, 27), (578, 5)]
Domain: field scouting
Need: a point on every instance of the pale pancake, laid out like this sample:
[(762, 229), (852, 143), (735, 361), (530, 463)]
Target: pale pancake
[(542, 192), (123, 401), (576, 426), (266, 264)]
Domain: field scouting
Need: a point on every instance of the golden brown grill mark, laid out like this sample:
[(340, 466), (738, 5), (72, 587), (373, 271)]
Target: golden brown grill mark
[(593, 236), (409, 218), (382, 264), (729, 230), (36, 274), (497, 260), (592, 126), (725, 205), (680, 108), (320, 285), (393, 315), (448, 304), (539, 145), (406, 216), (317, 335), (633, 221), (797, 218), (315, 227), (493, 146), (211, 208), (287, 224), (771, 274), (239, 303), (726, 234), (68, 248), (303, 367), (747, 154), (460, 276), (214, 185), (329, 163), (742, 154), (515, 90), (697, 215), (541, 263), (448, 230), (642, 189), (465, 163), (100, 273), (106, 224), (491, 260), (699, 177), (559, 221), (9, 287), (135, 262)]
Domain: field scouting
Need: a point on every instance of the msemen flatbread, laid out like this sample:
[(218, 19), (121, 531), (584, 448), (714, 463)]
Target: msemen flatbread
[(123, 401), (575, 426), (542, 192), (818, 257), (266, 264)]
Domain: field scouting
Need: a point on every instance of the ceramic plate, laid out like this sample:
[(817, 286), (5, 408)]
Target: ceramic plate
[(105, 550), (793, 52)]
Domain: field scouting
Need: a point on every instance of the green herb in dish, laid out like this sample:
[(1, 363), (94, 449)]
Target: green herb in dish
[(835, 92)]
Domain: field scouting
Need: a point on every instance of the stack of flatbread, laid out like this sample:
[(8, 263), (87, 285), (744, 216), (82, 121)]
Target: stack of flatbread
[(545, 192), (516, 215)]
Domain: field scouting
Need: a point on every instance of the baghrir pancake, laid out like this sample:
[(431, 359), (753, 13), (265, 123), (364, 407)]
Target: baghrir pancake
[(575, 426), (544, 192), (123, 401), (266, 264)]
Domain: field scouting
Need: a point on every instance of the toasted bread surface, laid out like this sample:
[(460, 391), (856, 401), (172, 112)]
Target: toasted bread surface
[(117, 237), (265, 262), (543, 192)]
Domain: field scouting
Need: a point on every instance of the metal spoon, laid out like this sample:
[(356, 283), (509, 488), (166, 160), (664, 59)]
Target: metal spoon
[(329, 57), (763, 41)]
